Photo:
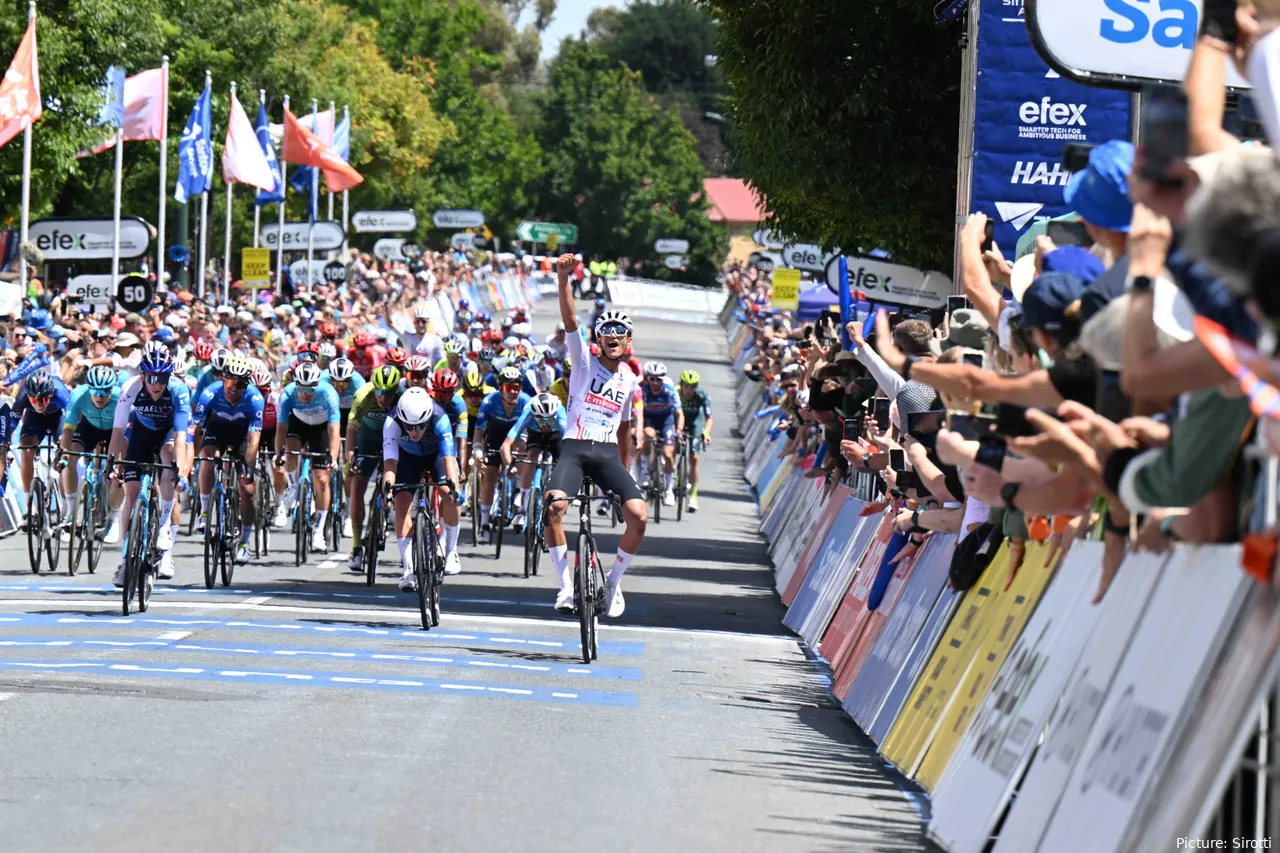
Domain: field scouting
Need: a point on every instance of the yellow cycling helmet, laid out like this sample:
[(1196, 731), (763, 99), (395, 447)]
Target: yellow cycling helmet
[(472, 381), (386, 377), (690, 377)]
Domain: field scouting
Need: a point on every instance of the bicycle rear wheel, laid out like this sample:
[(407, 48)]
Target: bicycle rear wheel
[(55, 514), (584, 583), (498, 524), (145, 569), (337, 504), (97, 525), (212, 536), (421, 569), (372, 545), (682, 482), (302, 521), (530, 534), (230, 535), (262, 503), (35, 525), (473, 498), (535, 521), (436, 574)]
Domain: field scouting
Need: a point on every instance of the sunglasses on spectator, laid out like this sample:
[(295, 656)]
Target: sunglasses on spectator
[(155, 378), (613, 330)]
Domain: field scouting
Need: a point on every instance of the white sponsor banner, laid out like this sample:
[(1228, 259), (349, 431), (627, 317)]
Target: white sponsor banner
[(365, 221), (882, 281), (388, 248), (671, 246), (1167, 665), (1118, 41), (461, 241), (298, 271), (95, 290), (1079, 704), (457, 218), (89, 239), (299, 236), (674, 262), (996, 746), (770, 240), (806, 256)]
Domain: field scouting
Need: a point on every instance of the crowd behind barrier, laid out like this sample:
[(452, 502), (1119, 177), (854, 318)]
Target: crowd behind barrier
[(1028, 713)]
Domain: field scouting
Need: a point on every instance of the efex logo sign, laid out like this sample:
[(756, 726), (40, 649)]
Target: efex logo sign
[(90, 239), (1046, 119), (61, 241)]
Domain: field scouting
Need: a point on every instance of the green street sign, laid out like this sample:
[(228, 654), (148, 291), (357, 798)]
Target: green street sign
[(538, 232)]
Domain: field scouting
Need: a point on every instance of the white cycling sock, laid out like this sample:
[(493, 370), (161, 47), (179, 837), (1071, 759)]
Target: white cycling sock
[(166, 512), (246, 533), (669, 478), (321, 514), (451, 537), (620, 562), (406, 558), (560, 559), (484, 516), (524, 498), (204, 504)]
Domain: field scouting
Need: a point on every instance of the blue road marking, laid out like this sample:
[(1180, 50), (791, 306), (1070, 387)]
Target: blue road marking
[(482, 639), (618, 673), (71, 588), (349, 681)]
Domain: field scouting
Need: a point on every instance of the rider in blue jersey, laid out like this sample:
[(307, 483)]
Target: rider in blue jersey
[(151, 421), (663, 419), (40, 405), (87, 426), (342, 377), (417, 441), (230, 416), (212, 374), (498, 413), (307, 420), (539, 430)]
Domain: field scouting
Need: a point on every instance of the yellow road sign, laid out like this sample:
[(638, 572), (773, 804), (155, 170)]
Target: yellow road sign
[(255, 266), (553, 240), (786, 290)]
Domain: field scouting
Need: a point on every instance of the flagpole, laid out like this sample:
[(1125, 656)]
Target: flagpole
[(226, 257), (346, 114), (315, 187), (204, 209), (284, 194), (115, 210), (26, 178), (333, 109), (257, 208), (164, 166)]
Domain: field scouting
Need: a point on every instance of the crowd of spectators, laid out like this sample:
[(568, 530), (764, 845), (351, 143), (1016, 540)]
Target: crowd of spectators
[(1122, 385)]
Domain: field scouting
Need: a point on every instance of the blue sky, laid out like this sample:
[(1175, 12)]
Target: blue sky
[(570, 19)]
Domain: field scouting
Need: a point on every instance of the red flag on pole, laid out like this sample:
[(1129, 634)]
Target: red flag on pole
[(302, 147), (20, 89)]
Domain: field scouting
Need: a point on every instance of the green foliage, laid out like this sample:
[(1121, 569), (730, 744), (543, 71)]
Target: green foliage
[(620, 166), (845, 116)]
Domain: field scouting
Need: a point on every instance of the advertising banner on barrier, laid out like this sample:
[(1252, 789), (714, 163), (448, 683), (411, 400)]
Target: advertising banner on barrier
[(831, 570), (1162, 673), (1023, 115), (1081, 700), (904, 683), (851, 613), (792, 545), (995, 748), (912, 734), (833, 507), (903, 623), (1015, 607)]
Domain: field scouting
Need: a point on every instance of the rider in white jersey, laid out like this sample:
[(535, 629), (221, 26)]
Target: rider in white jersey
[(601, 398)]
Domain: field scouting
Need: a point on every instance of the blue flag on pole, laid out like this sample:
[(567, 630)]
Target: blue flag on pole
[(112, 113), (263, 132), (195, 152), (342, 139), (846, 304)]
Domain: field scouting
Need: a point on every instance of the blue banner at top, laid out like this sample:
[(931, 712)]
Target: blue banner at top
[(1024, 115)]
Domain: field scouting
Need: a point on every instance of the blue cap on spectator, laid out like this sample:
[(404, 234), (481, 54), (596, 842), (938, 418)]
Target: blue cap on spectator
[(1100, 193), (165, 335), (1077, 260), (38, 319), (1046, 300)]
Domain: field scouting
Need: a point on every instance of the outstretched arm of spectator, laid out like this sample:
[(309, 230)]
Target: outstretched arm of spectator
[(973, 271), (1206, 88), (930, 475)]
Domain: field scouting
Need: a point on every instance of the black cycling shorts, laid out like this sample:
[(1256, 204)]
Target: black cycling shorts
[(598, 460), (89, 436), (313, 437), (548, 442)]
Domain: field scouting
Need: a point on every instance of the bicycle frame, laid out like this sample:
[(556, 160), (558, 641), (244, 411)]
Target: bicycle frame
[(140, 556)]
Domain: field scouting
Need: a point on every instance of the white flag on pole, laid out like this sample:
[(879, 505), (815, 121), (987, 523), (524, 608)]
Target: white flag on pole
[(242, 159)]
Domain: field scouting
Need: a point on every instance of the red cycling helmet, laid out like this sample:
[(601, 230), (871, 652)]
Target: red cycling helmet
[(328, 330), (417, 364), (444, 383), (397, 356), (363, 339), (203, 351)]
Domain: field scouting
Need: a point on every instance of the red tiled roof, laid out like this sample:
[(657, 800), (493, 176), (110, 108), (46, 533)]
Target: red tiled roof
[(732, 200)]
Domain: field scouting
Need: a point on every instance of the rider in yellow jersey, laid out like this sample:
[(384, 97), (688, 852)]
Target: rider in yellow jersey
[(560, 387)]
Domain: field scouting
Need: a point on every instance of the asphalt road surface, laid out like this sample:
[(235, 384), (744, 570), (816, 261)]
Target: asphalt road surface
[(300, 710)]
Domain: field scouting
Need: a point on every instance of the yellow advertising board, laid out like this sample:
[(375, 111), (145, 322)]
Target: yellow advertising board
[(786, 290), (255, 267)]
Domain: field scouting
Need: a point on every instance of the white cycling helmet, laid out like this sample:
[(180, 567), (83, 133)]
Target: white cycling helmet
[(415, 407), (340, 370), (328, 350), (545, 406), (422, 312), (307, 375), (262, 376), (654, 369), (611, 317), (219, 359)]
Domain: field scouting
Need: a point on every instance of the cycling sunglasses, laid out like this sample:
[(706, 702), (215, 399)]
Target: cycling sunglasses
[(42, 399), (511, 386), (240, 384), (155, 378), (306, 389), (99, 392), (614, 330)]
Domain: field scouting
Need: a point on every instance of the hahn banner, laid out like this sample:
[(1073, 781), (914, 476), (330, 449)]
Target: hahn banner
[(1023, 116)]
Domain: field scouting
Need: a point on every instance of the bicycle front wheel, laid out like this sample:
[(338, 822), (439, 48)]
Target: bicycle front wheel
[(97, 525), (473, 498), (230, 536), (498, 524), (435, 574), (80, 529), (422, 570), (302, 522), (134, 556), (212, 537), (55, 514), (35, 525), (372, 539), (584, 583), (682, 483)]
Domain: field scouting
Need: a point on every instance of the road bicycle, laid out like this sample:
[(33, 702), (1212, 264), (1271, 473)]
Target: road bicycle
[(654, 490), (88, 513), (503, 499), (682, 474), (374, 537), (588, 573), (427, 549), (142, 557), (222, 524), (193, 491), (263, 504), (305, 503), (46, 510), (473, 497), (535, 516)]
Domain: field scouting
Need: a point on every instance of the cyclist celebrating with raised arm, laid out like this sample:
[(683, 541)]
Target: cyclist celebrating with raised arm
[(155, 407), (601, 391), (417, 441), (230, 416), (697, 427)]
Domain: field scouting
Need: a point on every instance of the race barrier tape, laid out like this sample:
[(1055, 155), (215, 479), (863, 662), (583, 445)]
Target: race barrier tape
[(1028, 713)]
